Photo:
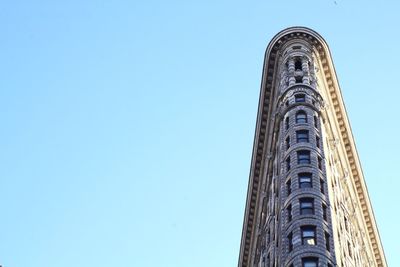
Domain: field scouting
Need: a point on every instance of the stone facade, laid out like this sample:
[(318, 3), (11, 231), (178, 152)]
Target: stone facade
[(307, 203)]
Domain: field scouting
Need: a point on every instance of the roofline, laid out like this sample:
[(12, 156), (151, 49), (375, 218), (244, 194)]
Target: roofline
[(263, 127)]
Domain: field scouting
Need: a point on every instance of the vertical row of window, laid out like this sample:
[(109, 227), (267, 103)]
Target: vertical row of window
[(306, 204)]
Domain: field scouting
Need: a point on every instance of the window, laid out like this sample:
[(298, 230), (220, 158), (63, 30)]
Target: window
[(327, 239), (309, 262), (290, 241), (303, 157), (305, 180), (317, 141), (287, 141), (308, 235), (288, 164), (299, 79), (306, 206), (287, 123), (301, 117), (289, 187), (320, 163), (287, 103), (324, 212), (302, 136), (300, 98), (322, 184), (289, 213), (297, 65), (315, 121), (349, 248)]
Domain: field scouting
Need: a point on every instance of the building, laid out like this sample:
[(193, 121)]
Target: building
[(307, 202)]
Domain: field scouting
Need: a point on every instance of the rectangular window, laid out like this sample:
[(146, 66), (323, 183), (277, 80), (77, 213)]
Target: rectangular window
[(302, 136), (287, 123), (300, 98), (324, 212), (308, 235), (290, 241), (309, 262), (327, 240), (315, 121), (289, 187), (306, 206), (317, 142), (349, 248), (287, 142), (301, 117), (322, 185), (303, 157), (289, 213), (288, 164), (320, 163), (305, 180)]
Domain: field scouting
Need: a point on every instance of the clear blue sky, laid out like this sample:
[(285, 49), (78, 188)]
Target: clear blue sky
[(127, 127)]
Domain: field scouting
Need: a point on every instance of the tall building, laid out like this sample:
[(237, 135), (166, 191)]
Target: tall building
[(307, 202)]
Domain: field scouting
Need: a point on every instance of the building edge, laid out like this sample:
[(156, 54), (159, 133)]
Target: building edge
[(265, 126)]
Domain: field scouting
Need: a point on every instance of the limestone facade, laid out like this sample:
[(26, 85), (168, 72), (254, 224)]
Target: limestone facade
[(307, 203)]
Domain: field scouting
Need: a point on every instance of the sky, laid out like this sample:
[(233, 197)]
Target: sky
[(127, 126)]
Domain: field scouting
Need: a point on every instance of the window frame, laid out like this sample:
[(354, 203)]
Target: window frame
[(309, 235), (305, 262), (300, 98), (302, 136), (306, 206), (304, 184), (303, 118), (303, 157)]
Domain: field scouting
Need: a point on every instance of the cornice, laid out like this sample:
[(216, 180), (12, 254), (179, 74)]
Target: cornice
[(264, 127)]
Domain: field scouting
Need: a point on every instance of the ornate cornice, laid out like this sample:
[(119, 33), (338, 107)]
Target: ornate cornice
[(264, 127)]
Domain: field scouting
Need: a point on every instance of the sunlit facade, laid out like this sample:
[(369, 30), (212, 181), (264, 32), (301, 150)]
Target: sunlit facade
[(307, 202)]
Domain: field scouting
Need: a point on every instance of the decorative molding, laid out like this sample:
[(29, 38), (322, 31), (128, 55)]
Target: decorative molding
[(265, 126)]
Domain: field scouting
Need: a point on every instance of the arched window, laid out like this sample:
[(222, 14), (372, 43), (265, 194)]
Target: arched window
[(301, 117)]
